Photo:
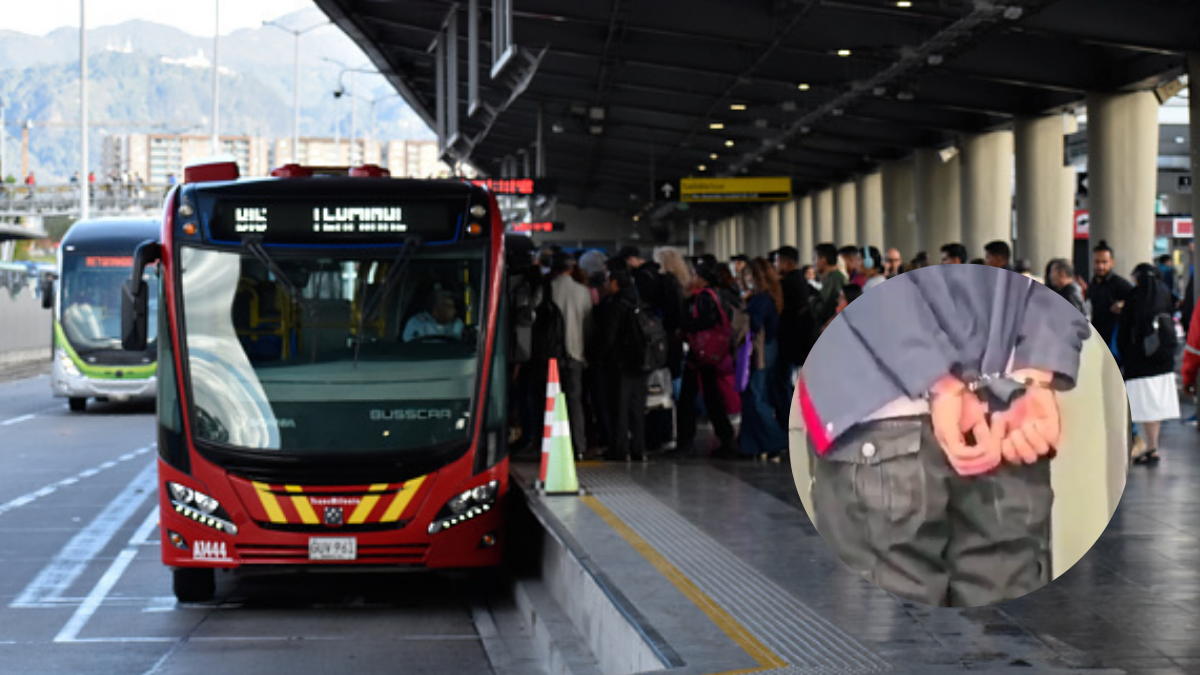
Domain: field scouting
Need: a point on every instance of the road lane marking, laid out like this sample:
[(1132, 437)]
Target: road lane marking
[(17, 420), (51, 488), (103, 587), (56, 577), (92, 602)]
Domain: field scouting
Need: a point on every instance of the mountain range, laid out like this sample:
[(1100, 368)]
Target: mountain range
[(150, 78)]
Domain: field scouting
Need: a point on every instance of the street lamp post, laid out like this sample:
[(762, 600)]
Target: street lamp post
[(341, 91), (296, 82), (216, 140), (83, 114)]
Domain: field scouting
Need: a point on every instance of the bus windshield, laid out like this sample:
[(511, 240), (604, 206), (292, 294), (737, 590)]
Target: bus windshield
[(299, 367), (91, 302)]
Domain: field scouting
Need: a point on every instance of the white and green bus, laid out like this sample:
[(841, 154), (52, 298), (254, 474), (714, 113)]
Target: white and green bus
[(95, 256)]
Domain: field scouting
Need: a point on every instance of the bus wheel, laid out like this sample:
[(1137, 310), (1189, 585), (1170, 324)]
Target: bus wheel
[(77, 403), (194, 584)]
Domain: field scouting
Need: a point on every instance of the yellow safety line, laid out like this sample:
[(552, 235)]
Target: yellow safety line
[(302, 506), (402, 499), (766, 658), (367, 504), (269, 503)]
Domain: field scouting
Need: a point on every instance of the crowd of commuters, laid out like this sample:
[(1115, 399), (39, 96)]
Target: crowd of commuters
[(734, 335)]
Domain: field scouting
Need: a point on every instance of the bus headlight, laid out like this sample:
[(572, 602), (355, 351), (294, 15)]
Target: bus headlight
[(66, 363), (200, 508), (465, 506)]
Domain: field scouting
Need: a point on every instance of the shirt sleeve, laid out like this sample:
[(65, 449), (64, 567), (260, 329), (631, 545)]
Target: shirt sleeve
[(1050, 337)]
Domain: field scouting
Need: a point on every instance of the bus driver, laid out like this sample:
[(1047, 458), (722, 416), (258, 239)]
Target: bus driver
[(441, 319)]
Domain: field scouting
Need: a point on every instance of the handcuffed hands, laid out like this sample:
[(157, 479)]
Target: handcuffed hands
[(1029, 430)]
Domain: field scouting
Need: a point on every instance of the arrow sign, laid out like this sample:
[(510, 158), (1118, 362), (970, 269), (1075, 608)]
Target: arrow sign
[(667, 190)]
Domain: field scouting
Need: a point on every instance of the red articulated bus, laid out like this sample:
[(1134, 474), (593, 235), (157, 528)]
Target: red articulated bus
[(332, 372)]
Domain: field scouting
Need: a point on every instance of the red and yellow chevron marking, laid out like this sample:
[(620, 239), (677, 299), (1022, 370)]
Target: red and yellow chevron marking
[(295, 504)]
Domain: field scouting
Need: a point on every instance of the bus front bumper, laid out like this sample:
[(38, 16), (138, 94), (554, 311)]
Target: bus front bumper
[(66, 385)]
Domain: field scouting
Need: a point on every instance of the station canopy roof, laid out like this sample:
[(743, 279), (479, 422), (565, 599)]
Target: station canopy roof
[(821, 91)]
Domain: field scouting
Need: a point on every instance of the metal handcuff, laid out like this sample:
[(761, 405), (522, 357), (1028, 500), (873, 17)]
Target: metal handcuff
[(998, 390)]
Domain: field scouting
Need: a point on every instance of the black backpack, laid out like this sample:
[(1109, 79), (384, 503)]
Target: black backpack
[(549, 329), (647, 341)]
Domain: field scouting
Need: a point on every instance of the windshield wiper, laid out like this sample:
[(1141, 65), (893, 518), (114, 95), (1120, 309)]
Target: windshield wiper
[(253, 243), (395, 273)]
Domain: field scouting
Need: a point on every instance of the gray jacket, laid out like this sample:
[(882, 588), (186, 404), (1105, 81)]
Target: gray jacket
[(921, 325)]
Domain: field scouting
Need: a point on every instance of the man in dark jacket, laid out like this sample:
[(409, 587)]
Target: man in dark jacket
[(622, 363), (903, 494), (1062, 281), (644, 276), (1107, 292), (797, 329)]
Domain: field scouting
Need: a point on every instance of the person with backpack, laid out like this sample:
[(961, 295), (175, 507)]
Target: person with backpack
[(1146, 342), (761, 433), (564, 320), (623, 335), (708, 332)]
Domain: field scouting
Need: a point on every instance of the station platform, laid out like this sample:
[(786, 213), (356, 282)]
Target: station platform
[(714, 567)]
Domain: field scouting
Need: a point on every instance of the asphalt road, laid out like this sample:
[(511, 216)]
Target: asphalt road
[(82, 588)]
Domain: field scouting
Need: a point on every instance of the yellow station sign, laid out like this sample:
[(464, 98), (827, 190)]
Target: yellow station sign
[(756, 189)]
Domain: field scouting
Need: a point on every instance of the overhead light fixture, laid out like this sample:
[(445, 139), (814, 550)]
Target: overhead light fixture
[(702, 167), (843, 52), (935, 59), (904, 95), (1180, 139), (556, 128), (737, 106), (712, 156), (596, 129), (596, 113), (1013, 13), (788, 106), (729, 144), (947, 154), (636, 217), (716, 125), (803, 86), (905, 4), (879, 91)]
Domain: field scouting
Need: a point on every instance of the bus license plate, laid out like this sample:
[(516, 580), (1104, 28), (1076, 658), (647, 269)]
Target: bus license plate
[(332, 548)]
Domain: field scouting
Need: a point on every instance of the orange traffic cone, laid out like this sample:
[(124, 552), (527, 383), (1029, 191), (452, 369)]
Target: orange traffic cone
[(557, 473)]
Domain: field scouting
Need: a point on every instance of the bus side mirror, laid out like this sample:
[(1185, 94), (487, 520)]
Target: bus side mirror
[(134, 303), (135, 299), (47, 291)]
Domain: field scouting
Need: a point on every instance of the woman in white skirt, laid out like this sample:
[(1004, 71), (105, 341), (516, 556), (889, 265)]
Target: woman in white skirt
[(1146, 342)]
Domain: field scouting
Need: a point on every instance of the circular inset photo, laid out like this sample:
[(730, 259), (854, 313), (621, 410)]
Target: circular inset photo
[(960, 435)]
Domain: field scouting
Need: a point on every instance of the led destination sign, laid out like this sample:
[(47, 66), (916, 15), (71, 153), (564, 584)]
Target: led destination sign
[(305, 222)]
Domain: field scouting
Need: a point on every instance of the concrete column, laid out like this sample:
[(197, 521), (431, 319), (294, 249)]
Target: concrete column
[(939, 202), (805, 234), (1122, 134), (739, 234), (787, 223), (869, 194), (845, 218), (823, 216), (1194, 137), (899, 209), (987, 166), (1045, 230), (774, 237)]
